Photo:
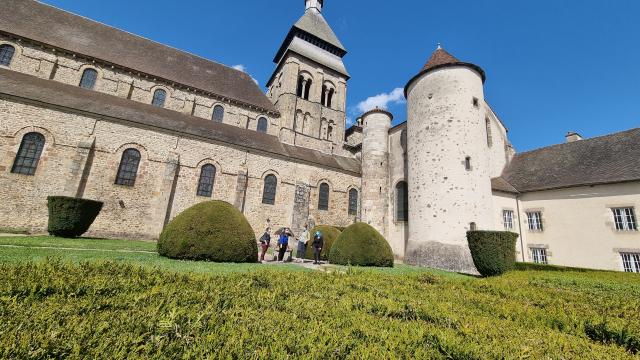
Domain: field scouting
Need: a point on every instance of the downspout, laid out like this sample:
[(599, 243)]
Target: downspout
[(520, 227)]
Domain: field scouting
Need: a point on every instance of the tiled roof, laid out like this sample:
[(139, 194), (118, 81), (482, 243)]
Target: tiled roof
[(60, 29), (65, 96), (438, 58), (606, 159), (500, 184)]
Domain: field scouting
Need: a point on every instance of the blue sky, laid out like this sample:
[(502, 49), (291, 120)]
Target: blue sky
[(552, 65)]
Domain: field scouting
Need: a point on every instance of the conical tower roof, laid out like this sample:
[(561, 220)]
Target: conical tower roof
[(442, 59)]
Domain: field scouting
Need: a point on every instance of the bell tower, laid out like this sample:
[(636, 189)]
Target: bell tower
[(309, 84)]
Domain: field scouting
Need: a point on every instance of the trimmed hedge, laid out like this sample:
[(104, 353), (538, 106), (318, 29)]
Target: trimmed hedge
[(361, 245), (330, 234), (493, 252), (210, 231), (71, 217)]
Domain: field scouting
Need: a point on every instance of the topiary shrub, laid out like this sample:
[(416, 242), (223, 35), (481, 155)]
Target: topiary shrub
[(71, 217), (210, 231), (493, 252), (361, 245), (330, 234)]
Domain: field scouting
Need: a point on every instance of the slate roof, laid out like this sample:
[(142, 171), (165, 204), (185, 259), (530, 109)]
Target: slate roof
[(48, 25), (315, 24), (139, 114), (606, 159), (500, 184)]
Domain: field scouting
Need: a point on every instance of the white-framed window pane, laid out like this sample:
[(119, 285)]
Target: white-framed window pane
[(631, 262), (539, 255), (535, 220), (625, 219), (507, 219)]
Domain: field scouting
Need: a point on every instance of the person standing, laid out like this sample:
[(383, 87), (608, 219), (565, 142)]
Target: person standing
[(265, 241), (303, 239), (318, 244), (283, 244)]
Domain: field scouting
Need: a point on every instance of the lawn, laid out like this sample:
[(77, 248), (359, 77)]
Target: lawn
[(80, 303)]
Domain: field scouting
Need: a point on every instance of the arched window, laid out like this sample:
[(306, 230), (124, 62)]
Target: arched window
[(218, 113), (26, 161), (467, 163), (263, 125), (307, 89), (159, 97), (353, 202), (402, 201), (128, 169), (88, 80), (330, 98), (330, 132), (207, 177), (270, 188), (300, 86), (6, 54), (323, 197)]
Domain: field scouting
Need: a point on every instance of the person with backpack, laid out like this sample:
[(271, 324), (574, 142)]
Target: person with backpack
[(265, 241), (318, 244), (283, 244)]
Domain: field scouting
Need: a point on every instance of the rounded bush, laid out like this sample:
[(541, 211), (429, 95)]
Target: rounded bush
[(361, 245), (330, 234), (210, 231), (71, 217), (493, 252)]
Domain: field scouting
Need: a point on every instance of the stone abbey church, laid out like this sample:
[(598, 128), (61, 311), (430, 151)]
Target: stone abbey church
[(91, 111)]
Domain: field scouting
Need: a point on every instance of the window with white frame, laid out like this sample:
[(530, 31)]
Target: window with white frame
[(631, 262), (507, 219), (539, 255), (534, 219), (625, 219)]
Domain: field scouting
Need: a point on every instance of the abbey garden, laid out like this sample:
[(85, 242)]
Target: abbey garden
[(91, 111)]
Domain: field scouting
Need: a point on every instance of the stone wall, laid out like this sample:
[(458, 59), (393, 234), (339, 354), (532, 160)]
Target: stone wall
[(82, 154)]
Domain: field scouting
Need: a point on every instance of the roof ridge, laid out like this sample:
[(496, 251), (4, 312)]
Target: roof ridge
[(577, 142)]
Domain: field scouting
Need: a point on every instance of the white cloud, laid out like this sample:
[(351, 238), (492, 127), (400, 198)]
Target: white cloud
[(382, 101), (350, 121), (243, 68)]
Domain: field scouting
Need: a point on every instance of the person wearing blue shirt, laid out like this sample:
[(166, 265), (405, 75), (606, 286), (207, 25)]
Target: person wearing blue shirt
[(283, 243)]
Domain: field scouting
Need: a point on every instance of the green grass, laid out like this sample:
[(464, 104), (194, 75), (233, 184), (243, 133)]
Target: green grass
[(104, 304)]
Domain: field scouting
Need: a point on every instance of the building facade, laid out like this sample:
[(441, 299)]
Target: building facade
[(151, 130)]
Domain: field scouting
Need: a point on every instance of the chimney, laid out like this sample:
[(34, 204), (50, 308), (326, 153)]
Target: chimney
[(573, 136)]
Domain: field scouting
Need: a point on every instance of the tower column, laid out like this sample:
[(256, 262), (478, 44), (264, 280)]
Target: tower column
[(375, 168)]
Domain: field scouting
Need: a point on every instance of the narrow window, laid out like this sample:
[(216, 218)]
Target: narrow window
[(269, 192), (476, 102), (26, 161), (402, 201), (473, 226), (489, 135), (631, 262), (539, 256), (534, 219), (625, 219), (159, 97), (88, 80), (6, 54), (300, 86), (207, 177), (330, 132), (307, 89), (467, 163), (353, 202), (330, 98), (323, 197), (263, 125), (323, 96), (507, 219), (218, 113), (128, 169)]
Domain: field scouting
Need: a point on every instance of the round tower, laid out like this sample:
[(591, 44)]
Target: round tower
[(375, 168), (448, 162)]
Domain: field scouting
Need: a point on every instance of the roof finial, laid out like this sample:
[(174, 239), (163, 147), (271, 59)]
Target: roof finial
[(439, 46)]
